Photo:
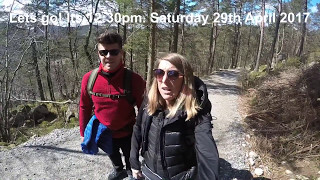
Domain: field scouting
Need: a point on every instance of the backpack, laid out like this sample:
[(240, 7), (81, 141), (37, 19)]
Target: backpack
[(126, 84)]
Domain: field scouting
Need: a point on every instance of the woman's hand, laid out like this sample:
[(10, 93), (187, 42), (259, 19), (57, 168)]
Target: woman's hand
[(137, 174)]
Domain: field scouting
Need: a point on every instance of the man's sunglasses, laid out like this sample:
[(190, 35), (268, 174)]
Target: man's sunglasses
[(113, 52), (171, 74)]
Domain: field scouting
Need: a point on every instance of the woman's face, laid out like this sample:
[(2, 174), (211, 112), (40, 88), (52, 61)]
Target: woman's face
[(169, 81)]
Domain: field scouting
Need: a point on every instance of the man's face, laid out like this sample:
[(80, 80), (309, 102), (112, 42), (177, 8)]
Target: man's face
[(110, 56)]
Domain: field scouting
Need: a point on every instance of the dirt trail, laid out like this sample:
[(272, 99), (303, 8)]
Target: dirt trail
[(227, 130), (58, 154)]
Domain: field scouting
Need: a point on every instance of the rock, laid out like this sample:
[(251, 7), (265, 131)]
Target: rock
[(318, 172), (39, 113), (283, 162), (251, 161), (73, 111), (12, 146), (318, 178), (253, 155), (18, 119), (288, 172), (301, 177), (258, 171)]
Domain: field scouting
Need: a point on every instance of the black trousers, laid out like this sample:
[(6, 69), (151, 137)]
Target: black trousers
[(125, 145)]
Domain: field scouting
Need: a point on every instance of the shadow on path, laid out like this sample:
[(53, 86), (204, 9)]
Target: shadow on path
[(228, 173), (227, 89), (53, 148), (214, 84)]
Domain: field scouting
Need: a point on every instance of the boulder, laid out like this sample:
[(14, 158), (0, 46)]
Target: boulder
[(73, 111), (40, 113)]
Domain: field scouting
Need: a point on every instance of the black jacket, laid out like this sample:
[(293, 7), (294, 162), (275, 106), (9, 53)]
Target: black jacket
[(174, 148)]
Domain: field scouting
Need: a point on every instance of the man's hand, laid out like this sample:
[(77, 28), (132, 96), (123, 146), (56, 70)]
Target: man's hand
[(82, 138), (137, 174)]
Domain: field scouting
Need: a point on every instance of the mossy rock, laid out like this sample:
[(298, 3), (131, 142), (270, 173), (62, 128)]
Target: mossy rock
[(4, 143)]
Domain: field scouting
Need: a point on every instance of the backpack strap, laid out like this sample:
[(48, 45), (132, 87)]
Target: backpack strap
[(91, 81), (127, 86)]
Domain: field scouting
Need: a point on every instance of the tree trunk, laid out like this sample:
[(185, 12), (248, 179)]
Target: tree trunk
[(48, 68), (72, 58), (248, 45), (124, 40), (182, 30), (275, 37), (261, 37), (86, 45), (176, 28), (37, 71), (303, 32), (152, 47), (213, 40)]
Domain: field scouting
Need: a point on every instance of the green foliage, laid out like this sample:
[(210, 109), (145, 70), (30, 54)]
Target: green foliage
[(314, 57), (293, 62), (4, 144), (252, 79)]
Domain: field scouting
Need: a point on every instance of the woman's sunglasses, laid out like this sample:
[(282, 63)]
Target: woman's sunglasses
[(113, 52), (171, 74)]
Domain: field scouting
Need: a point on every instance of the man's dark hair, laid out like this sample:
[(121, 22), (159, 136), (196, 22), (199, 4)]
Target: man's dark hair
[(110, 38)]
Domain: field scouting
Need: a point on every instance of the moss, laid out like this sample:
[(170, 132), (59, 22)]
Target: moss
[(3, 143), (73, 123), (293, 62), (263, 68)]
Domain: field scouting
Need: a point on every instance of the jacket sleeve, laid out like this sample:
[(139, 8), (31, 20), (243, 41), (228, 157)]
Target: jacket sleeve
[(85, 108), (206, 149), (137, 139)]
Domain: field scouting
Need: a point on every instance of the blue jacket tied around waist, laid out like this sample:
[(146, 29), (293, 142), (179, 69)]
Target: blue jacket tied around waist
[(96, 135)]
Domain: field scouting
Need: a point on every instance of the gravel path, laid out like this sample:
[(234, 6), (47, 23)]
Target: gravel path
[(58, 154), (227, 130)]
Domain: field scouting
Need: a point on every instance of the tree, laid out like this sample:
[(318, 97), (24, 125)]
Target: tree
[(213, 38), (276, 35), (90, 20), (48, 66), (261, 37), (176, 28), (303, 31), (152, 46)]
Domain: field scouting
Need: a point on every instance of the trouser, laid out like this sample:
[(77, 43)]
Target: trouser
[(125, 145)]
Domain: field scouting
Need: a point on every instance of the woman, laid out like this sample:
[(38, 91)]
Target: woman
[(173, 128)]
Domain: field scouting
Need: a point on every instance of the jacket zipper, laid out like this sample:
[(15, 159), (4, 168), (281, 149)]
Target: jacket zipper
[(155, 158)]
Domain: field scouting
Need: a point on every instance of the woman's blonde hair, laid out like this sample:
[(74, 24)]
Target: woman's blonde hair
[(187, 97)]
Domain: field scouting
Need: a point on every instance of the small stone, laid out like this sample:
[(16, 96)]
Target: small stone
[(318, 178), (258, 171), (301, 177), (253, 155), (288, 172), (318, 172), (283, 162), (243, 145), (251, 161)]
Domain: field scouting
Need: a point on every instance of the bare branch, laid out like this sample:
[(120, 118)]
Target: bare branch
[(33, 100)]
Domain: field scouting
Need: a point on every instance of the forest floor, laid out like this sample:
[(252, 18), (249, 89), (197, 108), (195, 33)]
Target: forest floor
[(58, 155)]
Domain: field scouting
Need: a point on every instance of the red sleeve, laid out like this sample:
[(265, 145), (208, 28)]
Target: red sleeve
[(85, 108), (138, 88)]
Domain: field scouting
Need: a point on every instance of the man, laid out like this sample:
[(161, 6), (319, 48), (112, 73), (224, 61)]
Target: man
[(115, 112)]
